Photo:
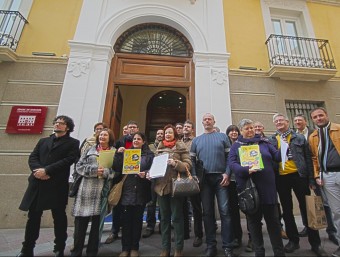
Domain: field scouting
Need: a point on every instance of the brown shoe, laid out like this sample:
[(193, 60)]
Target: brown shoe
[(284, 234), (124, 254), (111, 238), (134, 253), (165, 253), (178, 253)]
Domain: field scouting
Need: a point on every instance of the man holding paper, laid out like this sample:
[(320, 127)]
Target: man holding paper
[(295, 175)]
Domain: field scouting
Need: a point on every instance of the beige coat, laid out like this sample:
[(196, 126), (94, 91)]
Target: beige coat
[(179, 152)]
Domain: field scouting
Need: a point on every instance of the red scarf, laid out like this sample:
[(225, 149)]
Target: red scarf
[(169, 144), (100, 148)]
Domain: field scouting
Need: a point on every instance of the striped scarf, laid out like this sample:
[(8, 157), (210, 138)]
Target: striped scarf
[(284, 138), (323, 133)]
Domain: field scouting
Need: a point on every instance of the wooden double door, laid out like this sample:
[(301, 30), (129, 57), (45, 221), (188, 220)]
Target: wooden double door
[(149, 71)]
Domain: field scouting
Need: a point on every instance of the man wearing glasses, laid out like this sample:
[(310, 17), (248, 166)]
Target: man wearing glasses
[(47, 189)]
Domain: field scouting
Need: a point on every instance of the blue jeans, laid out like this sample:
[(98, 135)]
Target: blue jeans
[(211, 187)]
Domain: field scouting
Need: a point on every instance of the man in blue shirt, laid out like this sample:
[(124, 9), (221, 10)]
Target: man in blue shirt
[(212, 149)]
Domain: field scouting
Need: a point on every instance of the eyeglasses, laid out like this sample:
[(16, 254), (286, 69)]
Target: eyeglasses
[(131, 127), (59, 123), (279, 120), (99, 129)]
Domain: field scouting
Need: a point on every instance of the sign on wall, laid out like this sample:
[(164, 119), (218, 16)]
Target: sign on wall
[(26, 120)]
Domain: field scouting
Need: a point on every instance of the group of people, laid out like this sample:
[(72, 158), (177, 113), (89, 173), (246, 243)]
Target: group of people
[(312, 161)]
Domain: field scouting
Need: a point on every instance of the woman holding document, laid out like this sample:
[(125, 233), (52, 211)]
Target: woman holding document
[(93, 188), (135, 194), (171, 208), (262, 173)]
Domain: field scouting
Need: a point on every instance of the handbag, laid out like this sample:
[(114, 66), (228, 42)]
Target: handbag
[(116, 193), (200, 172), (315, 212), (248, 199), (185, 186), (77, 178)]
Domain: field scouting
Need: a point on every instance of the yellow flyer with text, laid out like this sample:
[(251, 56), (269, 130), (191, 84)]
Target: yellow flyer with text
[(132, 158), (250, 156)]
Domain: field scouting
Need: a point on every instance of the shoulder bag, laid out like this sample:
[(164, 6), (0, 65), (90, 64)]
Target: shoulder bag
[(248, 199), (77, 178), (116, 193), (184, 186)]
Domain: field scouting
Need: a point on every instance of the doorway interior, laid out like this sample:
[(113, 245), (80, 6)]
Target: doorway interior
[(165, 107)]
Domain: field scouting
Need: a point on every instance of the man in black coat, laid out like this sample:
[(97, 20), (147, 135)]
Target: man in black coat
[(47, 188)]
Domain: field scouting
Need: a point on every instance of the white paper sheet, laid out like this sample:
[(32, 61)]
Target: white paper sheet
[(284, 157), (159, 165)]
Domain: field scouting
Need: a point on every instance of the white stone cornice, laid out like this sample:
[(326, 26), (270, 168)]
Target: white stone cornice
[(86, 50), (291, 4), (211, 59)]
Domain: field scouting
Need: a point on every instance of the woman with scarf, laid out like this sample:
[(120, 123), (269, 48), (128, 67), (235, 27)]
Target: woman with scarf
[(91, 195), (264, 180), (171, 208), (135, 194)]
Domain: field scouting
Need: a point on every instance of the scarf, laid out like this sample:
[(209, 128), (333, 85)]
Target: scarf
[(323, 133), (284, 138), (170, 144)]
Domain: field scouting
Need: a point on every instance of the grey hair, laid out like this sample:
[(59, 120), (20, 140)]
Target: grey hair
[(280, 115), (244, 122)]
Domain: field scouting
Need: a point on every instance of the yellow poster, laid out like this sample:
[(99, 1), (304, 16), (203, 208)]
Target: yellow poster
[(105, 158), (250, 156), (132, 158)]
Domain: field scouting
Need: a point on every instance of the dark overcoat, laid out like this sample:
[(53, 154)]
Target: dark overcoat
[(56, 156)]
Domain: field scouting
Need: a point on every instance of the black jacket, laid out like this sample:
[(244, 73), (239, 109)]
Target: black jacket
[(136, 190), (301, 155), (56, 157)]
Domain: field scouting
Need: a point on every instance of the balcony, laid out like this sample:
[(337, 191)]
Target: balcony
[(12, 24), (300, 58)]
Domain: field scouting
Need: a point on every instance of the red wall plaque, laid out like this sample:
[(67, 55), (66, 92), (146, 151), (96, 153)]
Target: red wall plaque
[(26, 120)]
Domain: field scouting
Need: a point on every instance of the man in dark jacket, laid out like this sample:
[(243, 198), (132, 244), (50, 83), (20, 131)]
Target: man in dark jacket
[(296, 175), (47, 189)]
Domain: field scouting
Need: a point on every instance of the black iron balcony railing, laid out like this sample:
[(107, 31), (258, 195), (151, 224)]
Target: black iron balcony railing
[(300, 52), (11, 26)]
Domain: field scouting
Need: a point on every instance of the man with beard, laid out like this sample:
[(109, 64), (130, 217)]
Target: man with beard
[(48, 185), (325, 147)]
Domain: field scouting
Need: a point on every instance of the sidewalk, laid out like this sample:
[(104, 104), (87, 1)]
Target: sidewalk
[(10, 243)]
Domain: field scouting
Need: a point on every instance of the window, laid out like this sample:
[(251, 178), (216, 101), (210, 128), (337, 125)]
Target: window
[(152, 38), (301, 107)]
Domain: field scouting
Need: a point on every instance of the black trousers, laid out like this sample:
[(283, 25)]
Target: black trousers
[(132, 224), (80, 228), (234, 211), (151, 212), (271, 216), (33, 228), (196, 204), (285, 185), (116, 218)]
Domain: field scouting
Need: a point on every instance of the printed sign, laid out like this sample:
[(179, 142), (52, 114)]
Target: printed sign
[(132, 158), (26, 120)]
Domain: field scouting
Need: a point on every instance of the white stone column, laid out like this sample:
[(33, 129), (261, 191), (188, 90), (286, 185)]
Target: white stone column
[(84, 90), (212, 89)]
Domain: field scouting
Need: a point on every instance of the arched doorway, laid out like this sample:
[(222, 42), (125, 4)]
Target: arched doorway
[(150, 55), (163, 108)]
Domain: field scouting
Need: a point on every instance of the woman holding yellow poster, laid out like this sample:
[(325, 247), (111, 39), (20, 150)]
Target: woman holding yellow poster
[(136, 192), (252, 156)]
